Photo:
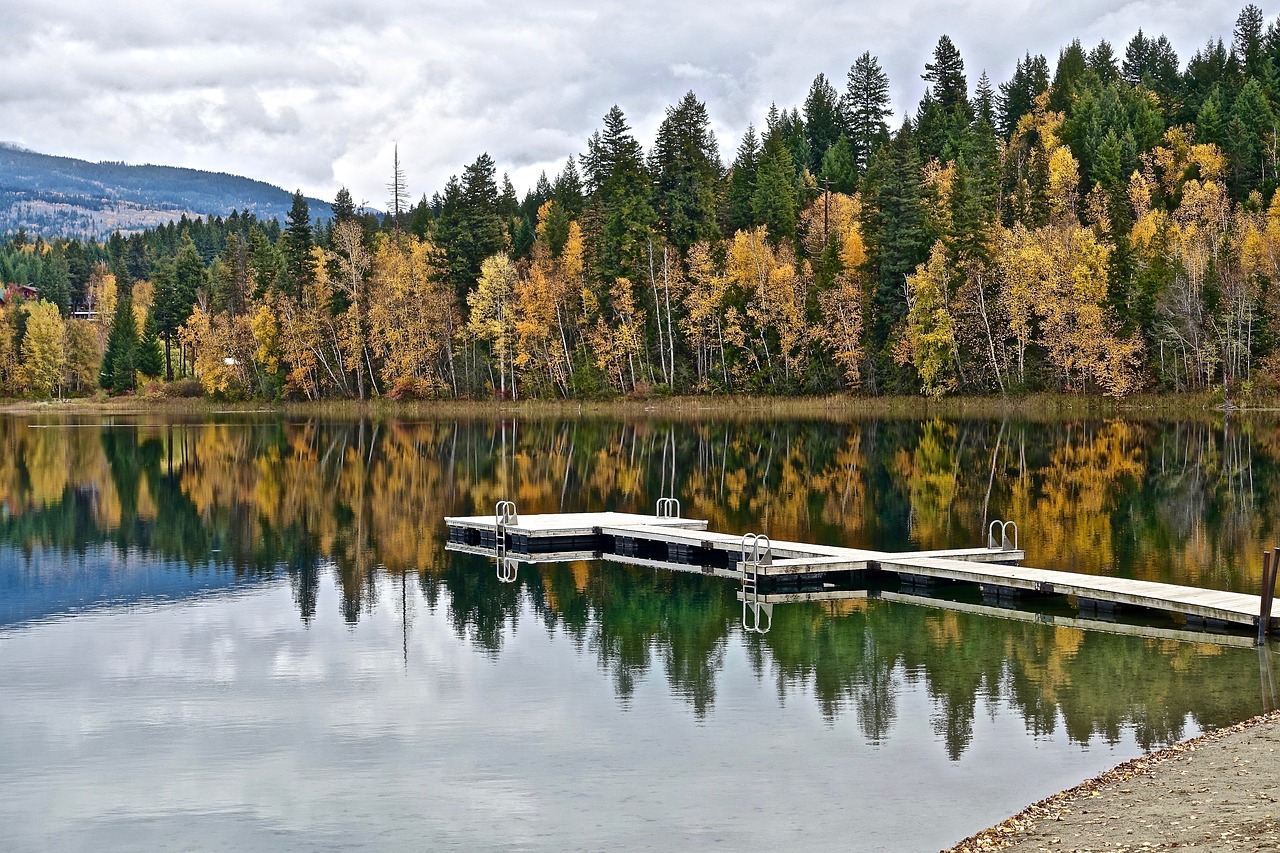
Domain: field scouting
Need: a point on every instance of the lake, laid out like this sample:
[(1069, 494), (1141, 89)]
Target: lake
[(244, 631)]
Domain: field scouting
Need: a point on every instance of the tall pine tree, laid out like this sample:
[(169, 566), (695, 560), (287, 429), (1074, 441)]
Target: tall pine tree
[(685, 162), (119, 360), (299, 262), (897, 242), (866, 108)]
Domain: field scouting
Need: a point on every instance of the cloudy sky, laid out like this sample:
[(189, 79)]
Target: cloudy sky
[(314, 95)]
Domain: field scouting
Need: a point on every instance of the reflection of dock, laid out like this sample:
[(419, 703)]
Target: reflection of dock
[(1109, 626), (773, 572)]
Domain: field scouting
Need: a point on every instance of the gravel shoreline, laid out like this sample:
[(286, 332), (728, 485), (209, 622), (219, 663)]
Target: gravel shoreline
[(1218, 791)]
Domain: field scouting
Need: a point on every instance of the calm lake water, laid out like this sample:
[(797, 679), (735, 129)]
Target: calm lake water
[(245, 632)]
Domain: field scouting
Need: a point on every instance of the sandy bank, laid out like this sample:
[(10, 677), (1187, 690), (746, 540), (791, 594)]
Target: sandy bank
[(1219, 791)]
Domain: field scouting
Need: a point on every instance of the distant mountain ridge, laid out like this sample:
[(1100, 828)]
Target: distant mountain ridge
[(53, 196)]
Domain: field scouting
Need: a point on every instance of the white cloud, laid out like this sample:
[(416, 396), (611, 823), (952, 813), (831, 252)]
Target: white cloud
[(315, 94)]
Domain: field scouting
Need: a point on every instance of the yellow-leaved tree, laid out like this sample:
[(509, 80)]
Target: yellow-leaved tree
[(614, 334), (702, 320), (835, 218), (492, 318), (352, 261), (10, 360), (84, 355), (546, 298), (1194, 242), (775, 332), (101, 294), (928, 340), (223, 349), (412, 319), (44, 355), (1053, 290)]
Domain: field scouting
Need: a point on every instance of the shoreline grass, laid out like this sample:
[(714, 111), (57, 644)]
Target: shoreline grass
[(832, 408)]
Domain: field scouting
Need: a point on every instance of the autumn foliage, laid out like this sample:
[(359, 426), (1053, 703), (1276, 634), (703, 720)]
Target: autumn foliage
[(1106, 229)]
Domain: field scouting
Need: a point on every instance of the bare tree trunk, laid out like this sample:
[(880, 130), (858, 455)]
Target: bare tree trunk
[(657, 311)]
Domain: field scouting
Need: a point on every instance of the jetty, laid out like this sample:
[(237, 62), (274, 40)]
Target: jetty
[(772, 572)]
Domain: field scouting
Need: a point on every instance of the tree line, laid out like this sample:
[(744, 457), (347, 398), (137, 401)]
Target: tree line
[(1109, 227)]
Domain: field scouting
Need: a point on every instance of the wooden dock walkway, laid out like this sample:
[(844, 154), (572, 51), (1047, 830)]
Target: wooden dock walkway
[(768, 568)]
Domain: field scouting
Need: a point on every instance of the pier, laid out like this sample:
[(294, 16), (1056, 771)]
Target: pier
[(772, 572)]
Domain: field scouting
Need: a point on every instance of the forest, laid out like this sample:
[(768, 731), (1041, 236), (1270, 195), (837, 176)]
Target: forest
[(1105, 225)]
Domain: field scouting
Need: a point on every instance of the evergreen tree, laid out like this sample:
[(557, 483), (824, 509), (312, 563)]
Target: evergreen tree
[(231, 284), (866, 107), (1072, 65), (742, 183), (508, 204), (946, 75), (685, 163), (1150, 62), (1252, 119), (176, 283), (897, 241), (523, 236), (343, 207), (1102, 62), (1211, 124), (1018, 96), (79, 269), (567, 190), (1247, 43), (776, 199), (839, 169), (620, 196), (299, 262), (54, 281), (557, 228), (984, 101), (264, 262), (1208, 68), (823, 121), (149, 361), (542, 193), (470, 227), (422, 219), (945, 114), (789, 128), (118, 360)]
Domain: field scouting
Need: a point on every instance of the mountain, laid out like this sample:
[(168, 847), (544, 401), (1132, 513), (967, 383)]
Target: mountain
[(63, 197)]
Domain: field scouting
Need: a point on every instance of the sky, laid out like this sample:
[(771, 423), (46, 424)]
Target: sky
[(314, 95)]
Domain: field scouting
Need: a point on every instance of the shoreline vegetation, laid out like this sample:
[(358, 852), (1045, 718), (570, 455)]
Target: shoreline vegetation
[(1185, 406)]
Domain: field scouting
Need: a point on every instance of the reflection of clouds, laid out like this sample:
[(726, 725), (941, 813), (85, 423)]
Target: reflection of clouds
[(118, 726), (527, 82), (303, 669)]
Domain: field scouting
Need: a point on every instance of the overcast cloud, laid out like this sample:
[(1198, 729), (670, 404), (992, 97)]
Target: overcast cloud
[(314, 95)]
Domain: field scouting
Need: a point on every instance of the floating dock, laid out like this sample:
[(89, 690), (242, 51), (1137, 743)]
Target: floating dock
[(777, 571)]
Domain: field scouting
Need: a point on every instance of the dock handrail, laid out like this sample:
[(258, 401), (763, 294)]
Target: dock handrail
[(751, 552), (668, 508), (504, 513), (1003, 527)]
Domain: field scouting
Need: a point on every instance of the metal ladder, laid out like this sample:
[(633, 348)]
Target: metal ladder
[(668, 508), (504, 513), (756, 551), (1003, 527)]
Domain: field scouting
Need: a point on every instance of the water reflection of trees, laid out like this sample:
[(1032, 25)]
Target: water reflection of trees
[(363, 499)]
